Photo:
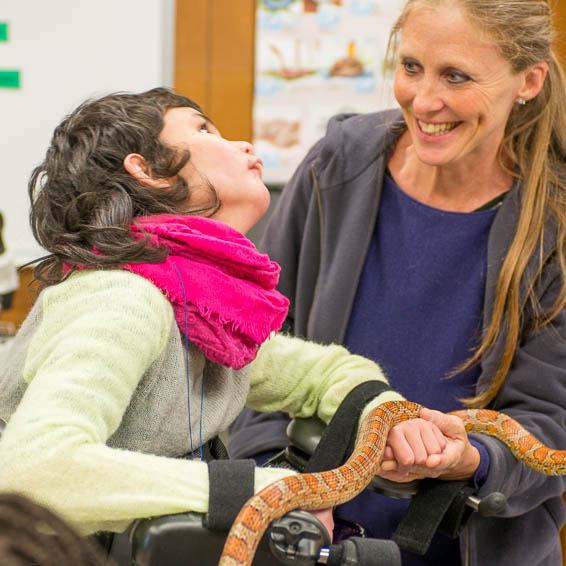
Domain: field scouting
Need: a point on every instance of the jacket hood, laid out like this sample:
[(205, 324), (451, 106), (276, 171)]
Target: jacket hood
[(356, 136)]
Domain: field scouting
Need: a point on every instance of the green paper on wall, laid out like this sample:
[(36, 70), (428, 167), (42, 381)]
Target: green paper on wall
[(9, 79), (3, 31)]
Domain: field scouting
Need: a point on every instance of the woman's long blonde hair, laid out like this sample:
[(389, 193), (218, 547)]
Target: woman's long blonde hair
[(534, 149)]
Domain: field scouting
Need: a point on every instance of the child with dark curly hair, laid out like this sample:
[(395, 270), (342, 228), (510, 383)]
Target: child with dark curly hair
[(156, 323)]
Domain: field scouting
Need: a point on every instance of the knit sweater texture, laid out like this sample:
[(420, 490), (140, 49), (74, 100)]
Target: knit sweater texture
[(95, 393)]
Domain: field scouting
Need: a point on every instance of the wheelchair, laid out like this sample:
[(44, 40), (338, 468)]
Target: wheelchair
[(296, 539)]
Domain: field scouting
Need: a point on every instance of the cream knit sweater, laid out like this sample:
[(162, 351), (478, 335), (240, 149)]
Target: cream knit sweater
[(95, 392)]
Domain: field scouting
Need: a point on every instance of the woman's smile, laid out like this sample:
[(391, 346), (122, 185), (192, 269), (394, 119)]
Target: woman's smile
[(436, 129)]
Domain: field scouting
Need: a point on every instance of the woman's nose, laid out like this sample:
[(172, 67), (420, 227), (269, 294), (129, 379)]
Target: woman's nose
[(427, 98)]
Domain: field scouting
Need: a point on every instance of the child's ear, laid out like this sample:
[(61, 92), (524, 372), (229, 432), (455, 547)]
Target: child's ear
[(137, 167)]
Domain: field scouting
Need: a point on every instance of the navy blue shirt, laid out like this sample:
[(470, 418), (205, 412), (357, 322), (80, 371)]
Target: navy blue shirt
[(418, 313)]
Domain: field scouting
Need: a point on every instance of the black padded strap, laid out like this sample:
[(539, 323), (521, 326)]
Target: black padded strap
[(364, 552), (436, 503), (338, 439), (231, 484), (336, 555), (375, 551), (458, 513)]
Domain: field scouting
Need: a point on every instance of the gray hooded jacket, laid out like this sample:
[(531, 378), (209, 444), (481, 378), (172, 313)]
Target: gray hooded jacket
[(320, 232)]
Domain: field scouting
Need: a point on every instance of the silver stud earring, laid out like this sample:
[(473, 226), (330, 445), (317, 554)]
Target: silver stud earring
[(521, 101)]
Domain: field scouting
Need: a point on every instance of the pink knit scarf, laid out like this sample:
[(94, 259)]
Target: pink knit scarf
[(221, 288)]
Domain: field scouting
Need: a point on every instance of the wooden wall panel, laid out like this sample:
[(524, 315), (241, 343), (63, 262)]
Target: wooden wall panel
[(192, 64), (214, 60), (232, 67)]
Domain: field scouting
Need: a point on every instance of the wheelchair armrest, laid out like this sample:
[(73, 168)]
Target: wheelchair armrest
[(173, 540), (305, 434)]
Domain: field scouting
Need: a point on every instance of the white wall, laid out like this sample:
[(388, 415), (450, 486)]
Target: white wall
[(67, 51)]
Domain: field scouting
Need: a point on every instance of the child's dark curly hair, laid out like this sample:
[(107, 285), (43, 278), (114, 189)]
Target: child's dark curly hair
[(82, 198), (31, 534)]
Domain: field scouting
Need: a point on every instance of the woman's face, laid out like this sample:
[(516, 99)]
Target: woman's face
[(454, 86), (229, 166)]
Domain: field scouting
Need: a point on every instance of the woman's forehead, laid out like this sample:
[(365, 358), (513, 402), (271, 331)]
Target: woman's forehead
[(459, 35)]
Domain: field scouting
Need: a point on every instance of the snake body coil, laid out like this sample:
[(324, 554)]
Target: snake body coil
[(322, 490)]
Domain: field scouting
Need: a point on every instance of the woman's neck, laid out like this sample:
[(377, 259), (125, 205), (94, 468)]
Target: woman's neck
[(460, 187)]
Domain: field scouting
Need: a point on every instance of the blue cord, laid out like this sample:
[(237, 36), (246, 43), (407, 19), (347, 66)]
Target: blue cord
[(187, 370), (201, 408)]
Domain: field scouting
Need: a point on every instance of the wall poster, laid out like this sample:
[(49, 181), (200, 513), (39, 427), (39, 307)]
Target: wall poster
[(314, 59)]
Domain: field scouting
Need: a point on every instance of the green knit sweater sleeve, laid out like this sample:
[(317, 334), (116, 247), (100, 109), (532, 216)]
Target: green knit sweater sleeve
[(99, 333), (303, 378)]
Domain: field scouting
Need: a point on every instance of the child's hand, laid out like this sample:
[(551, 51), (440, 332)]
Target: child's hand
[(435, 445), (413, 447), (326, 518)]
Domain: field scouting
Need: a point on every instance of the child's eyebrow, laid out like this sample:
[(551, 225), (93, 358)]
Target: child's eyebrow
[(202, 116)]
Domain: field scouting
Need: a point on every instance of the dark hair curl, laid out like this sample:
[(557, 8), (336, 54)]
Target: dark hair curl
[(82, 198), (31, 534)]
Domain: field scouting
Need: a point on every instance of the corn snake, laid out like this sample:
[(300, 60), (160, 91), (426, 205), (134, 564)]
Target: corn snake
[(326, 489)]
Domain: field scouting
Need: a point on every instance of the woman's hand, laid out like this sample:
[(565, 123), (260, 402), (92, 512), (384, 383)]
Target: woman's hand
[(435, 445)]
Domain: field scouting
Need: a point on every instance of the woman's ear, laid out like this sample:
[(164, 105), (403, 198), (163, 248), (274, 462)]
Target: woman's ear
[(138, 168), (534, 78)]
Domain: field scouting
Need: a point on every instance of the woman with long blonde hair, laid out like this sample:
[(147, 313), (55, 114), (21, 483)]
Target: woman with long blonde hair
[(432, 238)]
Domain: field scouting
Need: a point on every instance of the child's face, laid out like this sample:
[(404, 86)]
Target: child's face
[(229, 166)]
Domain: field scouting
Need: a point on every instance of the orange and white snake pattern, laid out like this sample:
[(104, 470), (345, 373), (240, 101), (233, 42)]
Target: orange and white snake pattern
[(326, 489)]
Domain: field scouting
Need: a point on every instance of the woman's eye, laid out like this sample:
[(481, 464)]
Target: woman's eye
[(457, 77), (410, 67), (204, 129)]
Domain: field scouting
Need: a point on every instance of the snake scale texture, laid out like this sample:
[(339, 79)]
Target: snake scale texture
[(322, 490)]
